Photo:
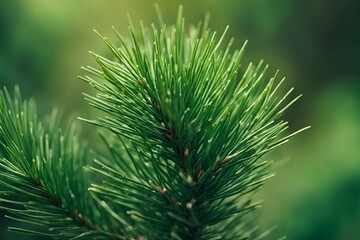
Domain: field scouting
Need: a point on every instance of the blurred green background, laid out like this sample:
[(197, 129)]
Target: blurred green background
[(315, 44)]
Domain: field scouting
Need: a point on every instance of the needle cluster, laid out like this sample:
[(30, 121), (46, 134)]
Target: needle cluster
[(186, 126)]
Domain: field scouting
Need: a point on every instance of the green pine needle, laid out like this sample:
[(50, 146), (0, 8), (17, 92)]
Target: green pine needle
[(185, 126), (190, 128), (41, 170)]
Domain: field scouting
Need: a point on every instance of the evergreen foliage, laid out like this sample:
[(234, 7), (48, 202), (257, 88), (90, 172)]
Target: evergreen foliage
[(186, 130), (42, 176)]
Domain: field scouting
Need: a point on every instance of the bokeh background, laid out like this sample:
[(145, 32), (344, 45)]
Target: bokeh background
[(315, 44)]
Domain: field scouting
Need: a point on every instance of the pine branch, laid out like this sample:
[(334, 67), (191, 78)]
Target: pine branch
[(188, 127), (41, 172), (191, 131)]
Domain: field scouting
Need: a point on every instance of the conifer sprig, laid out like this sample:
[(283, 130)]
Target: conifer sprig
[(41, 174), (193, 128), (186, 125)]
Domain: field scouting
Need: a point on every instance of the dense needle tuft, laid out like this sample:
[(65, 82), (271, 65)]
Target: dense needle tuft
[(185, 125), (41, 174), (191, 125)]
